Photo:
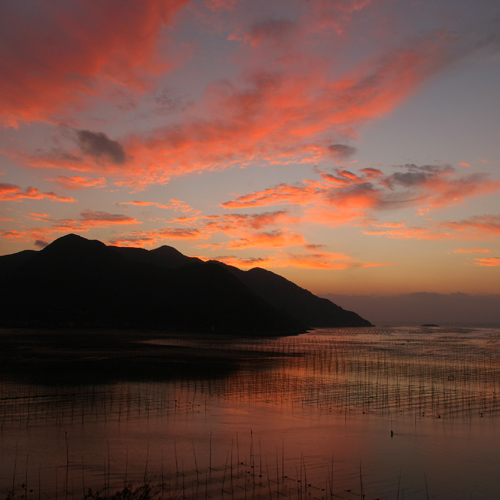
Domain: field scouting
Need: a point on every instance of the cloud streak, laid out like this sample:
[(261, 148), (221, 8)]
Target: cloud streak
[(11, 192), (285, 115), (488, 262), (88, 220), (72, 49), (343, 196), (322, 260), (481, 227), (78, 182)]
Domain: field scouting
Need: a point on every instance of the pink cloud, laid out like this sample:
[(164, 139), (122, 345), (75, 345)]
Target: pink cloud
[(343, 196), (72, 48), (279, 116), (220, 4)]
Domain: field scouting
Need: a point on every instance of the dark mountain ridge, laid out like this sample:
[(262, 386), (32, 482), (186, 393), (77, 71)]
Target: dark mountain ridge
[(84, 283)]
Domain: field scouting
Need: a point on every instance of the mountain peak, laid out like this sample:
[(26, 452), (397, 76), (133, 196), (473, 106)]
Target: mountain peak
[(87, 282), (71, 242)]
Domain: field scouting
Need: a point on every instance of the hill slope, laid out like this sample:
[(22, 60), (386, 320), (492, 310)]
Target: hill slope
[(80, 282), (83, 283)]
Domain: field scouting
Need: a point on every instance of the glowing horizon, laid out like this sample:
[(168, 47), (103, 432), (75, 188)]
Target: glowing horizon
[(350, 146)]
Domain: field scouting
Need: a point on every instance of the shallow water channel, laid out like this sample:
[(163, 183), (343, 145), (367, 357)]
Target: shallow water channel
[(340, 413)]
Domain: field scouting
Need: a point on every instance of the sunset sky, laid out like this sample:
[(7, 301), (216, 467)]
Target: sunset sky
[(351, 146)]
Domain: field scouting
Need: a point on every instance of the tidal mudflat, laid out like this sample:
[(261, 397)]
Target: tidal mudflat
[(335, 413)]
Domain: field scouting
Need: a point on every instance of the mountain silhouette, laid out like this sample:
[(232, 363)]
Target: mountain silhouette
[(76, 282)]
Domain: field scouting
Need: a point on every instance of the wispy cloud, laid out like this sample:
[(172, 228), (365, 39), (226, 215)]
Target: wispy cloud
[(489, 262), (484, 227), (89, 219), (155, 237), (288, 114), (319, 260), (173, 204), (472, 250), (71, 50), (480, 225), (343, 196), (78, 182), (11, 192), (239, 231)]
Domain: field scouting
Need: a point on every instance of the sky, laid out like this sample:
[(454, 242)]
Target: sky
[(351, 146)]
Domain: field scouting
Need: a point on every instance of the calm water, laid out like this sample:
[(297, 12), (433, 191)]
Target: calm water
[(389, 413)]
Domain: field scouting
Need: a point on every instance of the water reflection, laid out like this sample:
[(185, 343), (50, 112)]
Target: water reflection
[(384, 412)]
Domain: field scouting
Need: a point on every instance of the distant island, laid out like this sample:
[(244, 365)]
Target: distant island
[(79, 283)]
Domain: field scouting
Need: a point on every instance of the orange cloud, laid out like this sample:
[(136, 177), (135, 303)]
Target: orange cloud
[(472, 250), (282, 194), (242, 231), (77, 182), (484, 225), (12, 235), (389, 224), (176, 205), (88, 220), (320, 260), (416, 233), (264, 116), (38, 216), (235, 222), (478, 227), (271, 239), (343, 196), (247, 263), (11, 192), (279, 116), (491, 262), (30, 234), (47, 73), (155, 237)]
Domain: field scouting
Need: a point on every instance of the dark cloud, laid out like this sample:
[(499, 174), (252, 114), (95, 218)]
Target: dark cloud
[(341, 150), (97, 216), (56, 155), (41, 243), (276, 30), (417, 175), (98, 145), (313, 247), (169, 101)]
